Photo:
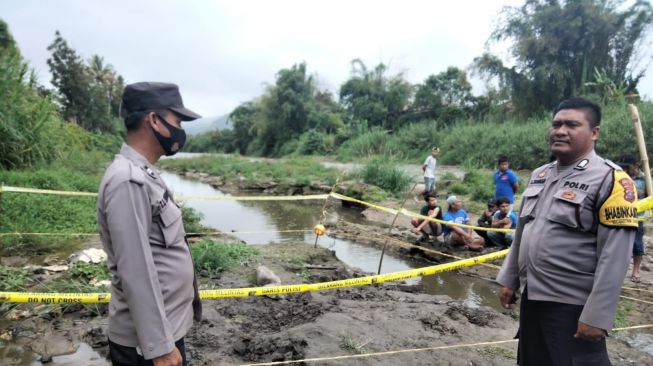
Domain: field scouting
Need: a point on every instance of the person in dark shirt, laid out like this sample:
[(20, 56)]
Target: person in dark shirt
[(485, 220), (426, 227), (504, 218)]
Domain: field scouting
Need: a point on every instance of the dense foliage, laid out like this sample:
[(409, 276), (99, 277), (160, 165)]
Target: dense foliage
[(567, 48), (589, 48)]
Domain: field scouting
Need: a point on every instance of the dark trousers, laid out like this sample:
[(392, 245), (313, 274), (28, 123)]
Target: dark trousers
[(546, 336), (127, 356)]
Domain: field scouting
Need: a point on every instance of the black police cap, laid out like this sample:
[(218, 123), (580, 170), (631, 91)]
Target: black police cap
[(146, 96)]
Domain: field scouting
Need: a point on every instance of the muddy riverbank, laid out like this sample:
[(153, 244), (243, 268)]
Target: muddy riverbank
[(342, 322)]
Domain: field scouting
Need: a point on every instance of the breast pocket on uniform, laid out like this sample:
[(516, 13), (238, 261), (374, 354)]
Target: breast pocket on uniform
[(530, 198), (566, 209), (172, 226)]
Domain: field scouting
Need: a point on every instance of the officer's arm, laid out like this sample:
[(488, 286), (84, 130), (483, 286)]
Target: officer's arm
[(129, 219), (509, 274), (614, 249), (615, 237)]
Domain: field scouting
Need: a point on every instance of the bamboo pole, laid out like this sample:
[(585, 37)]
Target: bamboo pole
[(385, 244), (634, 116)]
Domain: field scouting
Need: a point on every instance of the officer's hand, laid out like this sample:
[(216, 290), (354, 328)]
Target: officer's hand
[(171, 359), (508, 297), (589, 333)]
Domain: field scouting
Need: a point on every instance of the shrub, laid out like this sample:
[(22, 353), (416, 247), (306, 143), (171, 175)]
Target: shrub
[(89, 271), (385, 175), (368, 144), (315, 143), (217, 257)]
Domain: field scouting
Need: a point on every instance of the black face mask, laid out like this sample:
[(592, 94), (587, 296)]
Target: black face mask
[(171, 145)]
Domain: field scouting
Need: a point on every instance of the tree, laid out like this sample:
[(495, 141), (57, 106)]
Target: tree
[(27, 120), (443, 96), (70, 79), (557, 45), (88, 93), (287, 109), (371, 96), (243, 119)]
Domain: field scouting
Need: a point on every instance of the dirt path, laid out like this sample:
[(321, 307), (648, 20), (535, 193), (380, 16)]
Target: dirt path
[(413, 170)]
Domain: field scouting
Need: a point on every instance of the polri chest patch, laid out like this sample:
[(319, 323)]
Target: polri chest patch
[(576, 185)]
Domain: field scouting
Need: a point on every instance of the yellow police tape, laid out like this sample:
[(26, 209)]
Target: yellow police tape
[(46, 191), (180, 197), (413, 214), (95, 298), (260, 198), (642, 205)]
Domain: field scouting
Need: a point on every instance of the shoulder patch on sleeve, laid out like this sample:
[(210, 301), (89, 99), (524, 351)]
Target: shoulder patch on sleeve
[(620, 210)]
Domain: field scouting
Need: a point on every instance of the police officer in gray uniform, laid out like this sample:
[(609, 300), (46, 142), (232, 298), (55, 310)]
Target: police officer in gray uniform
[(154, 296), (572, 246)]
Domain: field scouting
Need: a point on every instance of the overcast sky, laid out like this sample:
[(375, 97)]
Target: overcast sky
[(223, 53)]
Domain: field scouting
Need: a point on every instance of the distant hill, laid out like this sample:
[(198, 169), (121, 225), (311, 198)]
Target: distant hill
[(207, 124)]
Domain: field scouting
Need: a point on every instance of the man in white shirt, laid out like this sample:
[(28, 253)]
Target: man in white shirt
[(429, 171)]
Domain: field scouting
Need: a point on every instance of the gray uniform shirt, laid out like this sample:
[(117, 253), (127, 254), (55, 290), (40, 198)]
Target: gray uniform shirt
[(574, 238), (152, 271)]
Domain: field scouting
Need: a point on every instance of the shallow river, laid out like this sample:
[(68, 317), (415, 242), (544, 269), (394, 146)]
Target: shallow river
[(265, 222)]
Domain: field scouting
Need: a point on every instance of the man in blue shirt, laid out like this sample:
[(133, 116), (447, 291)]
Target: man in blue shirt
[(506, 182), (504, 218), (455, 235)]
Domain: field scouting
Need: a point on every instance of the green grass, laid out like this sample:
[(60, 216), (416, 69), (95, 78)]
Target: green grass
[(217, 257), (294, 170), (40, 213), (348, 343), (624, 308), (69, 284), (494, 352), (89, 271), (66, 215), (14, 279)]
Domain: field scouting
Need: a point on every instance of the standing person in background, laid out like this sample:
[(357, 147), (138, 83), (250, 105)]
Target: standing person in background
[(572, 246), (154, 296), (506, 182), (429, 170), (631, 166)]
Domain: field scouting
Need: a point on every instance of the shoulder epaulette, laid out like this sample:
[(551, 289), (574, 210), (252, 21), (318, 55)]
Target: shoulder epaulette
[(136, 174), (612, 164)]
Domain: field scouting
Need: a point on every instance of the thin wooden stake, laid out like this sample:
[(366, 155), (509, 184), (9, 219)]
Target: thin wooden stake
[(385, 244)]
